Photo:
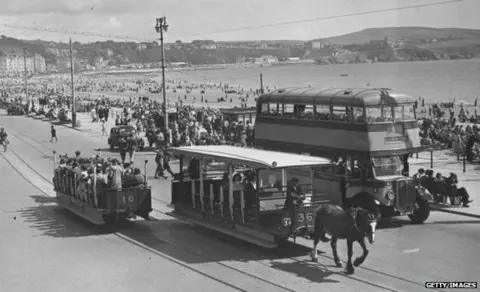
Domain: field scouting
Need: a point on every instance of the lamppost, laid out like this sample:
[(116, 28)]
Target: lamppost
[(161, 26)]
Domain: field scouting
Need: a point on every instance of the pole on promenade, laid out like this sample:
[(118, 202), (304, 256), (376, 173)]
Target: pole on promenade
[(261, 83), (27, 96), (74, 111), (161, 26)]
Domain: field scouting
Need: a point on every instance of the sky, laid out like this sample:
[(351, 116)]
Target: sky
[(199, 19)]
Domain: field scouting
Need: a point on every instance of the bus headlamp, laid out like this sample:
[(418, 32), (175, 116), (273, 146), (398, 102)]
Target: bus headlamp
[(390, 195)]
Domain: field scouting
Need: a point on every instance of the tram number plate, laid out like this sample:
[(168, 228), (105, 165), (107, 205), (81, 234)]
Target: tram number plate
[(128, 199), (287, 221), (301, 217)]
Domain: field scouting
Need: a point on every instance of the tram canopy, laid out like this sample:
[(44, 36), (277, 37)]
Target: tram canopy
[(249, 156)]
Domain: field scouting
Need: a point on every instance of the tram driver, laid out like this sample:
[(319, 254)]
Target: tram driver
[(294, 196)]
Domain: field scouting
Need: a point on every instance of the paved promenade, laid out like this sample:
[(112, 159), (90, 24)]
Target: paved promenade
[(443, 249), (444, 162)]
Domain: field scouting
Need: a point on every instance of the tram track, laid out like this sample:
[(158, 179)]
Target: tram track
[(135, 242), (256, 278)]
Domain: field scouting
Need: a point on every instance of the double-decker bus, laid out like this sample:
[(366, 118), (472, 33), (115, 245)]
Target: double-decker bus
[(369, 132)]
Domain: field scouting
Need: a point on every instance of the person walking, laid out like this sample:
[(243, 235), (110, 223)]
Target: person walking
[(122, 145), (159, 171), (166, 162), (53, 133), (131, 147), (104, 130)]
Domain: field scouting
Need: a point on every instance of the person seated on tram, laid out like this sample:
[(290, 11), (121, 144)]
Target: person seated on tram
[(78, 155), (115, 174), (134, 179), (194, 168), (440, 188)]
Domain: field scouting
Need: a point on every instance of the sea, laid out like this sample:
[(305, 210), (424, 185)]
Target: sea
[(436, 81)]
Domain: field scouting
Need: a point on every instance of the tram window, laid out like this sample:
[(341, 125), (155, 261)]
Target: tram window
[(358, 116), (399, 113), (323, 113), (387, 113), (288, 110), (339, 113), (306, 112), (274, 109), (409, 113)]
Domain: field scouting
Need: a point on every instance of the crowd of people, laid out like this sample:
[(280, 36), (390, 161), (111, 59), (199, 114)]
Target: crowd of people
[(95, 173), (443, 188)]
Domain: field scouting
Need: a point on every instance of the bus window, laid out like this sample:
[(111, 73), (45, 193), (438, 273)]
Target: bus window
[(379, 114), (288, 111), (274, 109), (323, 113), (264, 111), (358, 116), (385, 166), (339, 113), (306, 112)]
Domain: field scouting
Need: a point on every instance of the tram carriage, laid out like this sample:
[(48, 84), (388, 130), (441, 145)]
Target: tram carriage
[(100, 205), (217, 197)]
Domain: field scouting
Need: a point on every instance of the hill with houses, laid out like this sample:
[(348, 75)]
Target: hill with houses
[(387, 44)]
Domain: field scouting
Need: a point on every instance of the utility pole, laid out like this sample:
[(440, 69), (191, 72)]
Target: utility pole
[(261, 83), (161, 26), (74, 112), (27, 97)]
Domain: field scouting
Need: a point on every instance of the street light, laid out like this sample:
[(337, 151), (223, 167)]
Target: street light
[(161, 26)]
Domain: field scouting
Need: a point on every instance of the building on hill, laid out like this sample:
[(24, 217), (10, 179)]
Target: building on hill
[(141, 47), (14, 65)]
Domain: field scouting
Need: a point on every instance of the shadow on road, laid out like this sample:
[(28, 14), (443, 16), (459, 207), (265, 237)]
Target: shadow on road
[(313, 272), (455, 222), (390, 223), (54, 221)]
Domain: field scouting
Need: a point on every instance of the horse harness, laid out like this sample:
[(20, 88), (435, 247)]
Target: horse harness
[(353, 212)]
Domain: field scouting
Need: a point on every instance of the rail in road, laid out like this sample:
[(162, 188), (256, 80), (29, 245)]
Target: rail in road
[(390, 281)]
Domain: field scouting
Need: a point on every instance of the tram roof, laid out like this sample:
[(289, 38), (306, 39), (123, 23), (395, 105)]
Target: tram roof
[(237, 110), (338, 96), (252, 157)]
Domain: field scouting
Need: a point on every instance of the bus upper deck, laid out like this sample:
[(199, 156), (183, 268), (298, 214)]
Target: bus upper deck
[(353, 121)]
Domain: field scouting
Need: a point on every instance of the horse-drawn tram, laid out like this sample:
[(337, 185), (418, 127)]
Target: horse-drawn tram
[(370, 132), (254, 195), (86, 193)]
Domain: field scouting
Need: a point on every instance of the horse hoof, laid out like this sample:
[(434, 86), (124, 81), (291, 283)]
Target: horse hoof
[(339, 264), (315, 260), (357, 262), (350, 271)]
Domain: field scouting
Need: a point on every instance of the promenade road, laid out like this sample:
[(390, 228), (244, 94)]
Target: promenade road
[(402, 259), (44, 248)]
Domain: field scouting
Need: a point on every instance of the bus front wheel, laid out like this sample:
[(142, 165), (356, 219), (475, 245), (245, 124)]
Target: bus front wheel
[(421, 212)]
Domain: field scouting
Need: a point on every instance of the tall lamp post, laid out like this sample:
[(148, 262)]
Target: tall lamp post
[(161, 26)]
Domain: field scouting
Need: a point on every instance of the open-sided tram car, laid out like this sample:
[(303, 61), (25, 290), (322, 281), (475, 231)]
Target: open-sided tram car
[(216, 196), (100, 205)]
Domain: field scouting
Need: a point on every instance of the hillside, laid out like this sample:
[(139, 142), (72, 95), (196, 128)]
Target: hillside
[(389, 44), (411, 33)]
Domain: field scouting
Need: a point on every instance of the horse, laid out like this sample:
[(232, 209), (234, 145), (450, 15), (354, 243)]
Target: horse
[(352, 224)]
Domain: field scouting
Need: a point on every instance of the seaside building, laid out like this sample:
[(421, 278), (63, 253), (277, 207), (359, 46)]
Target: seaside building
[(13, 65)]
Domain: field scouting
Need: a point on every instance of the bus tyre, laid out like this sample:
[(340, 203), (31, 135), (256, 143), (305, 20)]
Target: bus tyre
[(421, 212)]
